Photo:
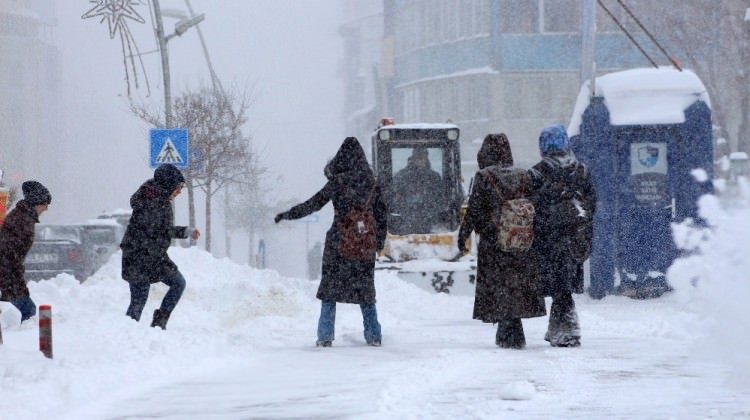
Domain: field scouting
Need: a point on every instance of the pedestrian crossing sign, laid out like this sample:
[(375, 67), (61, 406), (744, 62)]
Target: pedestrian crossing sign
[(170, 146)]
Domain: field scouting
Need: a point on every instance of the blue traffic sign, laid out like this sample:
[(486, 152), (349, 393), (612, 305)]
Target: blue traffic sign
[(169, 146)]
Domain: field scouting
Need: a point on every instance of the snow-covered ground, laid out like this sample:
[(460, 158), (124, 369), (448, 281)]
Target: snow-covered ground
[(241, 345)]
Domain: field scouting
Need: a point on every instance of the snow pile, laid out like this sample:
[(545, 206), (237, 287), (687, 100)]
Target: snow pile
[(226, 311), (713, 280), (517, 391), (241, 344)]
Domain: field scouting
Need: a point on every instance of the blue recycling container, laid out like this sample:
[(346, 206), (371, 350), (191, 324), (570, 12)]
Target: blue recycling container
[(646, 136)]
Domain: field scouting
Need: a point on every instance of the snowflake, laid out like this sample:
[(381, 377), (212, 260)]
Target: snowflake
[(115, 12)]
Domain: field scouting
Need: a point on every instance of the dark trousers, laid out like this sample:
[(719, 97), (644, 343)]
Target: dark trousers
[(26, 306), (139, 295)]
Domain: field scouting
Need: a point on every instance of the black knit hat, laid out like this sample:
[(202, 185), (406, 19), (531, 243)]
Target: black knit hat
[(35, 193), (168, 177)]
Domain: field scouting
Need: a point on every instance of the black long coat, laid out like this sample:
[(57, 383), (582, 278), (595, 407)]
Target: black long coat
[(149, 233), (507, 284), (16, 238), (350, 182), (560, 273)]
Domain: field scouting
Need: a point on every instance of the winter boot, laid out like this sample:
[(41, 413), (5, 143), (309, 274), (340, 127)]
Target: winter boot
[(563, 329), (374, 343), (160, 319), (133, 314), (324, 343), (510, 334)]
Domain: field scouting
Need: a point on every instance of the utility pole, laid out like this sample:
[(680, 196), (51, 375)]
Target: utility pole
[(588, 42), (162, 39)]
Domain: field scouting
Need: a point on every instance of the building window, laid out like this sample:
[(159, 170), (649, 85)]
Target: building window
[(412, 111), (562, 15), (519, 16)]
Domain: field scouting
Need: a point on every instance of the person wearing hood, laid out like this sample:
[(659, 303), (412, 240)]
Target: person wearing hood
[(507, 283), (351, 185), (558, 179), (16, 239), (416, 195), (146, 240)]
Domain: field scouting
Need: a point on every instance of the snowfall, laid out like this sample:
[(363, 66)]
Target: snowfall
[(240, 345)]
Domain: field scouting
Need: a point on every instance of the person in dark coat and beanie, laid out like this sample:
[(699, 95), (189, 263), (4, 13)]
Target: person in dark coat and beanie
[(147, 238), (16, 238), (557, 176), (350, 183), (507, 283)]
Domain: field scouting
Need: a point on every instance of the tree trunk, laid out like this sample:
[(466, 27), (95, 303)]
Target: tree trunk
[(191, 203), (251, 255), (208, 217), (227, 236)]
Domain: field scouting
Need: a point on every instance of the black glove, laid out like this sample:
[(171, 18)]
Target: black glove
[(279, 217)]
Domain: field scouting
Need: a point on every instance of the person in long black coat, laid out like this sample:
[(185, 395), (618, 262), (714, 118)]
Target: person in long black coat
[(350, 183), (562, 274), (16, 239), (146, 240), (507, 284)]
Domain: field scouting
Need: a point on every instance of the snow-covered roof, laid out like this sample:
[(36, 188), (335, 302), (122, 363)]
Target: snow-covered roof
[(642, 96), (421, 126)]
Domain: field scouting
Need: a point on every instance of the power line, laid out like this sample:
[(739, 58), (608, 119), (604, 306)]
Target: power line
[(651, 37), (630, 37)]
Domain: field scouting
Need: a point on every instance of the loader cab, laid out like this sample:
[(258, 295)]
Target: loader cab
[(419, 167)]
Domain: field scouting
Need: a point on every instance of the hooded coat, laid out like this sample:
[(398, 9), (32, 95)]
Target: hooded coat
[(507, 284), (350, 183), (150, 232), (16, 238), (560, 273)]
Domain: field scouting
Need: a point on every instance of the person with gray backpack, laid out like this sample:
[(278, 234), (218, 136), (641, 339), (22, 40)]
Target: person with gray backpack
[(565, 202), (501, 213)]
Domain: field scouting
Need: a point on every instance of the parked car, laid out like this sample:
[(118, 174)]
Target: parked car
[(78, 250), (120, 216)]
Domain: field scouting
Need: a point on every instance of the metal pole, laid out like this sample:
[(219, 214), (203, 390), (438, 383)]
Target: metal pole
[(588, 42), (307, 238), (161, 38)]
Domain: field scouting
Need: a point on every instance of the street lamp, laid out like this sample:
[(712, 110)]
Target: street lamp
[(179, 28)]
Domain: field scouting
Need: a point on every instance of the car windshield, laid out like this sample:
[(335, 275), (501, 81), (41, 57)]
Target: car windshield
[(417, 196), (102, 236), (58, 233)]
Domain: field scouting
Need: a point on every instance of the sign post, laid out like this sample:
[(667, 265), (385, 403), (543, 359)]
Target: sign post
[(169, 146)]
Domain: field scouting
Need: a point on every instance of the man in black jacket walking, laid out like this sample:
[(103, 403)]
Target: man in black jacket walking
[(146, 240)]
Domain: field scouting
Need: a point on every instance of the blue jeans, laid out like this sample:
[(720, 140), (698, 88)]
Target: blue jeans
[(26, 306), (139, 295), (328, 319)]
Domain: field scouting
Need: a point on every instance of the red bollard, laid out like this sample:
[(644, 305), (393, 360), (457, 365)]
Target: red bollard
[(45, 330)]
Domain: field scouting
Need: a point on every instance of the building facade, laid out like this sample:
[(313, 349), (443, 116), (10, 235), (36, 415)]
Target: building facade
[(509, 66), (30, 87), (362, 68)]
